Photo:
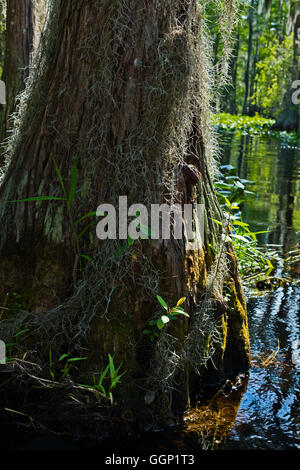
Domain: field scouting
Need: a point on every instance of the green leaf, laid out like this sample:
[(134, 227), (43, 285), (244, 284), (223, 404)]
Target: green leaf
[(111, 365), (179, 311), (130, 241), (270, 264), (239, 185), (75, 359), (59, 176), (86, 257), (146, 332), (63, 356), (20, 332), (89, 214), (217, 222), (85, 230), (102, 389), (240, 237), (40, 198), (162, 302), (227, 202), (103, 375), (152, 322), (160, 324), (240, 223), (73, 183), (213, 248)]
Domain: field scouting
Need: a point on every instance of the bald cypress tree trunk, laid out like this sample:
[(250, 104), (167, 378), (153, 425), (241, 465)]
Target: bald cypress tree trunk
[(121, 89)]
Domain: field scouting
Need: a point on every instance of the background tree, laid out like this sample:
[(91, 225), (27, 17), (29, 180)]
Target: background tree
[(290, 116), (264, 65), (118, 101), (24, 20)]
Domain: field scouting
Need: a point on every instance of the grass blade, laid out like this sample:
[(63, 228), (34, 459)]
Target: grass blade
[(73, 183), (59, 176), (40, 198)]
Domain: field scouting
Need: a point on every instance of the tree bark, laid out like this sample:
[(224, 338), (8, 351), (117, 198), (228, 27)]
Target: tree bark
[(124, 86), (22, 34), (290, 117), (247, 70)]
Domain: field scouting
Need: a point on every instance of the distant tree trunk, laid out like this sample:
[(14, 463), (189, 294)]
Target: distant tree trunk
[(22, 34), (124, 86), (252, 104), (290, 117), (2, 34), (247, 70), (230, 99)]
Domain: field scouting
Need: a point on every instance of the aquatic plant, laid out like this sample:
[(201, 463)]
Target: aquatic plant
[(253, 125), (232, 193)]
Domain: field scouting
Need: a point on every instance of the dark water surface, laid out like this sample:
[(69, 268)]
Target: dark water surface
[(268, 416)]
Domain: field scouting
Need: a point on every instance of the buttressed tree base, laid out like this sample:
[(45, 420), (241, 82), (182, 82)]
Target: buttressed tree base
[(118, 103)]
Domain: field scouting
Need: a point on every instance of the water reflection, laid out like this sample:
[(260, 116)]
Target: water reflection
[(268, 416), (275, 169)]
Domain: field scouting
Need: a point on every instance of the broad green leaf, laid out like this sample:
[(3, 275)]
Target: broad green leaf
[(160, 324), (162, 302)]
